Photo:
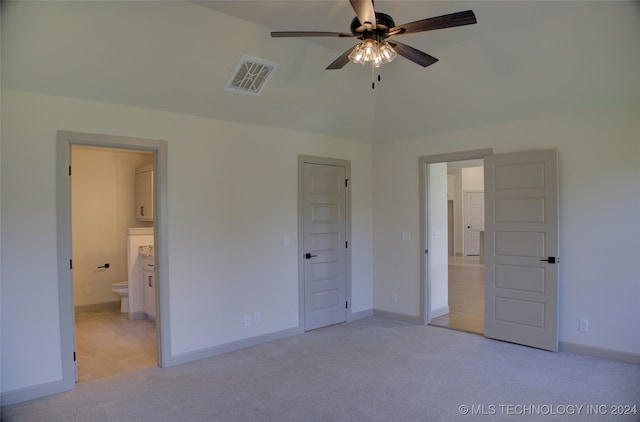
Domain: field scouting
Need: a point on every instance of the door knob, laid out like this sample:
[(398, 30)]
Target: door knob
[(309, 256)]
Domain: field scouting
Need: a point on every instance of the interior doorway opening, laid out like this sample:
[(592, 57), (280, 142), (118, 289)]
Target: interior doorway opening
[(66, 140), (464, 271), (114, 334), (453, 274)]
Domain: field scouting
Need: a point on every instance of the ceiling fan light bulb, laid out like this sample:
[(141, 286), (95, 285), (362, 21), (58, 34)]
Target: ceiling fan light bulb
[(370, 50), (357, 55), (387, 53)]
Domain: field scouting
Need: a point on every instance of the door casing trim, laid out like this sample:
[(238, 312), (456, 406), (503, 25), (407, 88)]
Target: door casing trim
[(65, 139)]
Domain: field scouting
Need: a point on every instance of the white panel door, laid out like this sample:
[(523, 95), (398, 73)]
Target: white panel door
[(324, 243), (473, 221), (521, 248)]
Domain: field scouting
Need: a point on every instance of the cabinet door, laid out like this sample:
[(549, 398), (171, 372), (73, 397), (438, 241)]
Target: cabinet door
[(149, 294), (144, 196)]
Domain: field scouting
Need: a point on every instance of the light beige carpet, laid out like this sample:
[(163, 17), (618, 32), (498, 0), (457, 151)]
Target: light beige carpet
[(373, 369)]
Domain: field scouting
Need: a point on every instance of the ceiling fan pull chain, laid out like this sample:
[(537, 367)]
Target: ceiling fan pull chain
[(373, 76)]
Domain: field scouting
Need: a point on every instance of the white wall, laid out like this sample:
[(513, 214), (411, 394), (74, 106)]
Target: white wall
[(232, 196), (473, 178), (438, 262), (599, 160), (102, 208)]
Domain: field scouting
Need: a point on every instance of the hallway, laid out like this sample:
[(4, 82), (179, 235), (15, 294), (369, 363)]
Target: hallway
[(466, 296)]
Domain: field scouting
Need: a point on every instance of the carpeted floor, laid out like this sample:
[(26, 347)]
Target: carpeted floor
[(373, 369)]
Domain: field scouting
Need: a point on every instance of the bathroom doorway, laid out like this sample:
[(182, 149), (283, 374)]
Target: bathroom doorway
[(103, 204), (92, 294)]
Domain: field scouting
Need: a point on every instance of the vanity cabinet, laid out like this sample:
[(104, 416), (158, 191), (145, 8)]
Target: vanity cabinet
[(149, 286), (144, 193)]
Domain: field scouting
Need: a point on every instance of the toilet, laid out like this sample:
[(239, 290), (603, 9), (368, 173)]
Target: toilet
[(121, 288)]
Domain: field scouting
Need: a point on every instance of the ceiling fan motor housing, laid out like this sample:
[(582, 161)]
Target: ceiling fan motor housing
[(383, 23)]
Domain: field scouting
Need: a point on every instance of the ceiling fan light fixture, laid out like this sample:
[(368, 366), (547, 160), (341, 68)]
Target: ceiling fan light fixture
[(370, 51)]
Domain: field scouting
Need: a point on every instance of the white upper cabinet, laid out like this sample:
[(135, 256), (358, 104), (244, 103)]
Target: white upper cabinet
[(144, 193)]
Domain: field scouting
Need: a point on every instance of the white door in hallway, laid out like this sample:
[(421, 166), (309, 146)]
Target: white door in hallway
[(324, 245), (473, 221), (521, 248)]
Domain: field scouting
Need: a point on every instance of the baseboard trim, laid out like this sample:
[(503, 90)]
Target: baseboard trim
[(439, 312), (360, 315), (249, 342), (231, 347), (35, 392), (598, 352), (137, 315), (98, 306), (414, 319)]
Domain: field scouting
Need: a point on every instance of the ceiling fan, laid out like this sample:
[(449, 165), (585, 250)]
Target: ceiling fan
[(373, 28)]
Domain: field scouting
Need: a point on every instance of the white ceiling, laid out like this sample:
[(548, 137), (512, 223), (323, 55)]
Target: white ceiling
[(523, 59)]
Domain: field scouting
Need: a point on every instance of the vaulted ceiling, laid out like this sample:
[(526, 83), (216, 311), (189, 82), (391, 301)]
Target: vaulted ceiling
[(523, 59)]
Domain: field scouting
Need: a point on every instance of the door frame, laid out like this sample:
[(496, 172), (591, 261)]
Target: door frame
[(65, 139), (425, 283), (302, 159)]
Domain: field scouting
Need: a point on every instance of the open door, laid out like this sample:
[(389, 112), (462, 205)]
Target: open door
[(521, 245)]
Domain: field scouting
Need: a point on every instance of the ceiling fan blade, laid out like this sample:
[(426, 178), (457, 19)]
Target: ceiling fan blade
[(413, 54), (283, 34), (365, 12), (342, 60), (439, 22)]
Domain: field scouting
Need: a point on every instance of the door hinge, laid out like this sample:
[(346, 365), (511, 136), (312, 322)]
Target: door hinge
[(346, 245), (71, 264), (69, 170), (74, 355), (426, 251), (346, 305), (346, 183)]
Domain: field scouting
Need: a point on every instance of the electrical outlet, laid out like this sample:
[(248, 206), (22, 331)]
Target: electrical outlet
[(89, 291), (257, 318), (394, 297), (584, 325), (247, 320)]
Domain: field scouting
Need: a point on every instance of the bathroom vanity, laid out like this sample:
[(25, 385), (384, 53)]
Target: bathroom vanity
[(147, 267), (139, 243)]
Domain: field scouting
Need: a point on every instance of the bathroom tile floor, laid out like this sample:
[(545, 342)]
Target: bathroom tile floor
[(108, 343)]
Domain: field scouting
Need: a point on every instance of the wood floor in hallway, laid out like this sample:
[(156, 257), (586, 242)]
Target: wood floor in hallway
[(466, 295), (108, 343)]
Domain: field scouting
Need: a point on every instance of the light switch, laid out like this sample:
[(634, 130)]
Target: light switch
[(287, 240), (437, 234), (406, 236)]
